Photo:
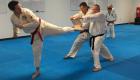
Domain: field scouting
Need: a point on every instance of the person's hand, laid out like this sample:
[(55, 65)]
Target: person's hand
[(71, 18), (110, 22), (75, 17), (20, 26)]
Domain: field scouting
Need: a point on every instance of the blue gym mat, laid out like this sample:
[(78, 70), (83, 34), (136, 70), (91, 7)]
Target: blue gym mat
[(16, 58)]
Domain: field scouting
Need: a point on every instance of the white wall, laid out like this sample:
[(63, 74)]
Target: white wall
[(5, 28), (123, 9), (58, 12), (136, 3)]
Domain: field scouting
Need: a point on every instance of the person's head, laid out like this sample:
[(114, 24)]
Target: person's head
[(95, 8), (109, 8), (15, 6), (84, 7)]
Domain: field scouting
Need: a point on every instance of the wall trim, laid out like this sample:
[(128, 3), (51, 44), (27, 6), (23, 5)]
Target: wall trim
[(11, 38), (122, 23)]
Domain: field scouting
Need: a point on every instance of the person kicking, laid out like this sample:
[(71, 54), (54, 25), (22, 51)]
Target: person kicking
[(26, 20)]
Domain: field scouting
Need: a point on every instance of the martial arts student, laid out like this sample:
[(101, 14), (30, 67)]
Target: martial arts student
[(26, 20), (110, 18), (84, 35), (97, 30)]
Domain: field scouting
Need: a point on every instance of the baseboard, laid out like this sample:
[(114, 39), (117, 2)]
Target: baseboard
[(122, 23), (129, 23), (14, 38)]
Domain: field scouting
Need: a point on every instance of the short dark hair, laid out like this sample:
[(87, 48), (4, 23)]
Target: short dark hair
[(12, 4), (83, 4), (97, 5), (109, 6)]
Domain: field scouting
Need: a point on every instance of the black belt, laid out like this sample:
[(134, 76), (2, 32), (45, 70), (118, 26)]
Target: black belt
[(92, 38), (85, 30)]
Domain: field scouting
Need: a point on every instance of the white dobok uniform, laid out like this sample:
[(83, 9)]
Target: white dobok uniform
[(97, 30), (81, 38), (110, 26), (30, 24)]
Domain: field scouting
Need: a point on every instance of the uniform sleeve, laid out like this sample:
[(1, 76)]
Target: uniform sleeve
[(15, 29), (86, 22), (28, 28), (31, 15), (114, 14), (89, 11), (90, 16), (33, 22), (34, 19)]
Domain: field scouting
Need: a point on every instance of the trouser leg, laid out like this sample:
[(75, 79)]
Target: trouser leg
[(81, 38), (51, 29), (96, 51), (105, 52), (108, 34), (112, 31), (37, 49)]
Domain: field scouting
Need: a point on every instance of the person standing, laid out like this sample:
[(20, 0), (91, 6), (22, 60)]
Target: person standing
[(97, 31), (110, 18), (84, 35)]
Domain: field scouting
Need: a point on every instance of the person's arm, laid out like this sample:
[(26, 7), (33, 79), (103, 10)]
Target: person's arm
[(34, 20), (31, 15), (76, 16), (15, 30), (115, 16), (76, 19), (28, 27), (86, 22)]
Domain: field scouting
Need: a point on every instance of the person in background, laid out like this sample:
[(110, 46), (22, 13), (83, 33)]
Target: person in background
[(110, 18)]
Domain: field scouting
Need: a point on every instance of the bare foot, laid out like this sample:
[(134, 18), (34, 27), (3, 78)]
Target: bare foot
[(35, 75), (96, 69)]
